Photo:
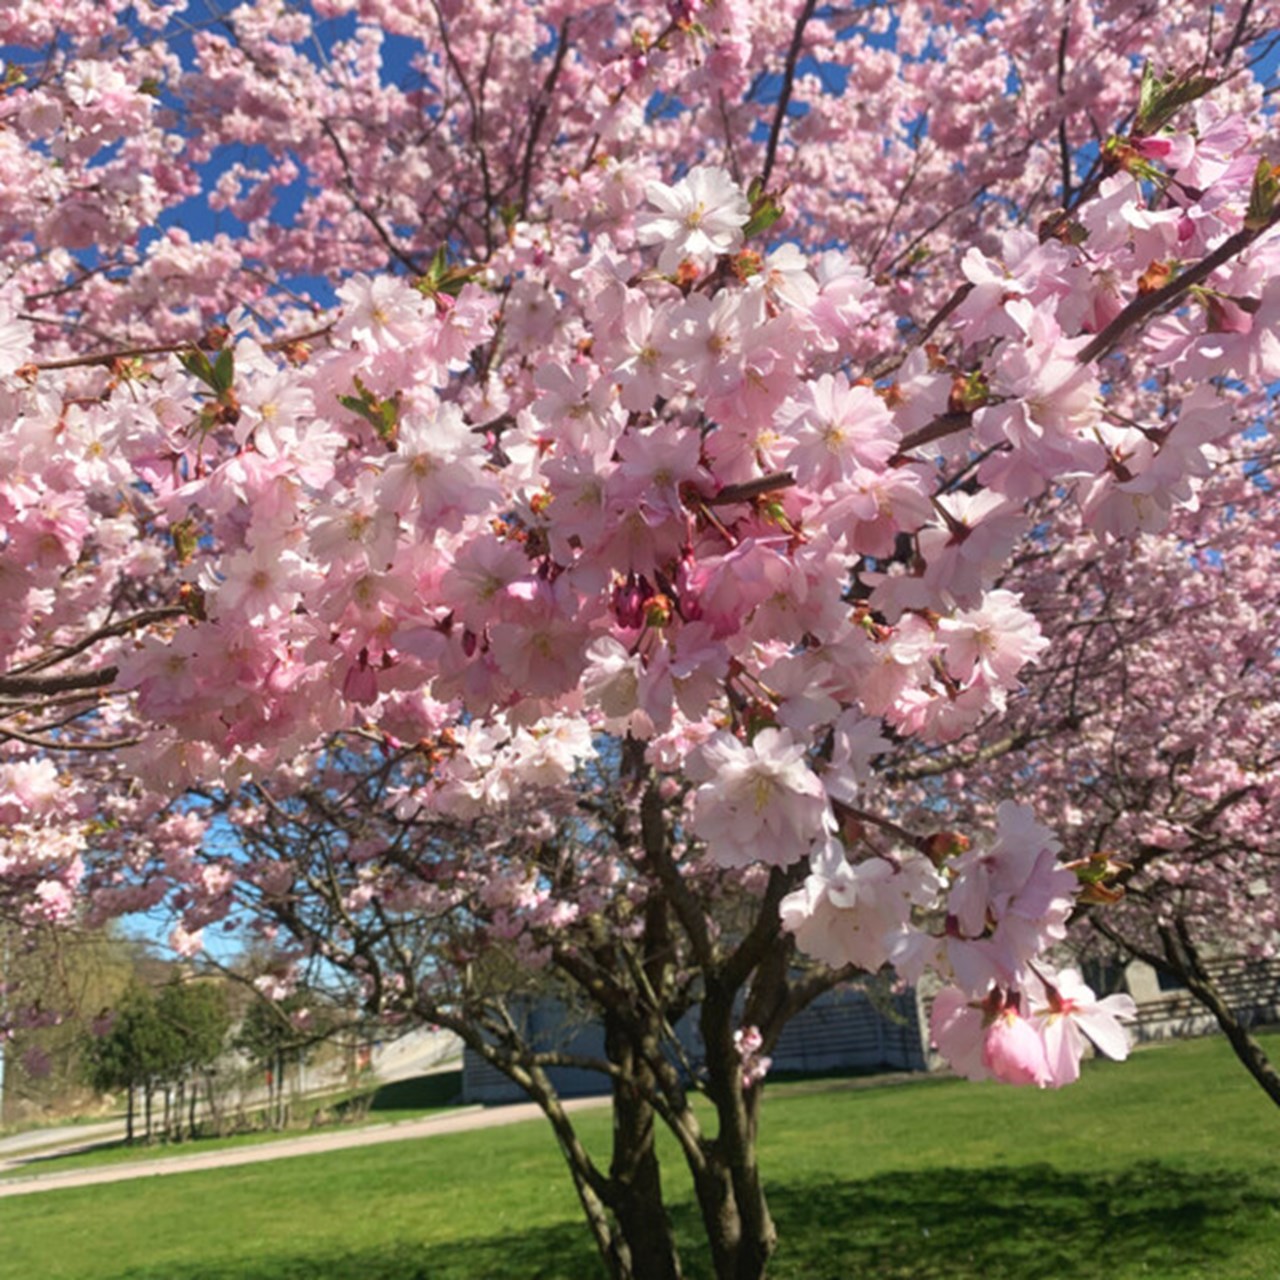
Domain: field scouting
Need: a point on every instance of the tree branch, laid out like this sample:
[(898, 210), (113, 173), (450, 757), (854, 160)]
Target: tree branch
[(406, 260), (784, 94), (38, 686), (541, 110), (1148, 304)]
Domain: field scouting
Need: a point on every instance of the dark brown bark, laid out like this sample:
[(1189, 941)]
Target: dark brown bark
[(730, 1193), (1183, 959), (635, 1180)]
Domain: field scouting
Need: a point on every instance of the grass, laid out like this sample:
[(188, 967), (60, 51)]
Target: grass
[(402, 1100), (1164, 1168)]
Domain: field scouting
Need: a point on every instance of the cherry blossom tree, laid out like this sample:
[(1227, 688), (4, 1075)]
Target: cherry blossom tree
[(1148, 735), (648, 393), (581, 899)]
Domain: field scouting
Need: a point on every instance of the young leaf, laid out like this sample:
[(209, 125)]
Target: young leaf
[(1161, 98), (223, 373), (1262, 196), (763, 216), (196, 363)]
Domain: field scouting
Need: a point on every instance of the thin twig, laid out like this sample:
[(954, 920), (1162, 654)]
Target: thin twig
[(120, 628), (541, 110), (406, 260), (784, 94), (1063, 145), (1237, 36), (55, 744)]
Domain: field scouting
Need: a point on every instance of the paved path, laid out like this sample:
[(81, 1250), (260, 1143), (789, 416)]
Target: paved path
[(64, 1135), (417, 1054), (457, 1121)]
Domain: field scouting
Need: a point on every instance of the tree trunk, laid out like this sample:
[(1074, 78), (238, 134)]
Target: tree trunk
[(128, 1119), (211, 1100), (146, 1110), (730, 1194), (596, 1193), (635, 1179), (741, 1242), (277, 1078), (587, 1181), (1185, 962), (735, 1216), (720, 1218)]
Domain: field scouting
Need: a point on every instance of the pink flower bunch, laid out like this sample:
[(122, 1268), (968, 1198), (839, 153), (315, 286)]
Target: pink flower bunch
[(755, 1065), (1022, 1038)]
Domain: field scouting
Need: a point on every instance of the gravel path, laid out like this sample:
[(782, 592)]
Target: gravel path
[(313, 1144)]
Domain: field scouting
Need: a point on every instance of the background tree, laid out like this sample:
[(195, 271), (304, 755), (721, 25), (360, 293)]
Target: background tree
[(136, 1053), (282, 1033), (1148, 735), (197, 1012), (57, 981), (156, 1041)]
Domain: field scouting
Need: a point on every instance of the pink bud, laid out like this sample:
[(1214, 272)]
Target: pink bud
[(629, 599), (361, 684), (1013, 1052)]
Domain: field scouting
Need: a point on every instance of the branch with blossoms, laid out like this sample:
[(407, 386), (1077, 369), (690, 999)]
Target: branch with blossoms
[(1156, 300)]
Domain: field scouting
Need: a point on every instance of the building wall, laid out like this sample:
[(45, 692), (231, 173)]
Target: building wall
[(841, 1031), (1250, 987)]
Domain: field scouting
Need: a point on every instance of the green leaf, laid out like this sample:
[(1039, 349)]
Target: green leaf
[(1148, 95), (382, 415), (1262, 197), (1161, 98), (455, 280), (972, 393), (185, 539), (224, 371), (196, 363), (766, 212)]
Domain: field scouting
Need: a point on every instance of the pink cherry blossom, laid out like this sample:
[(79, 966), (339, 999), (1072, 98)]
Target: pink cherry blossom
[(760, 802), (697, 218)]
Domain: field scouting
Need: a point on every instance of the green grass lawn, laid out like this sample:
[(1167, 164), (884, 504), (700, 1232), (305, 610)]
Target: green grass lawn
[(1165, 1166)]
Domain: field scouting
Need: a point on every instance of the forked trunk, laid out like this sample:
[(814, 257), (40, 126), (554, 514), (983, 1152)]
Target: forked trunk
[(642, 1227), (741, 1242)]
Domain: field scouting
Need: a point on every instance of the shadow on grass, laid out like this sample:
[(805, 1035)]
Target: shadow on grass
[(1029, 1222), (550, 1253), (1024, 1223), (440, 1089)]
